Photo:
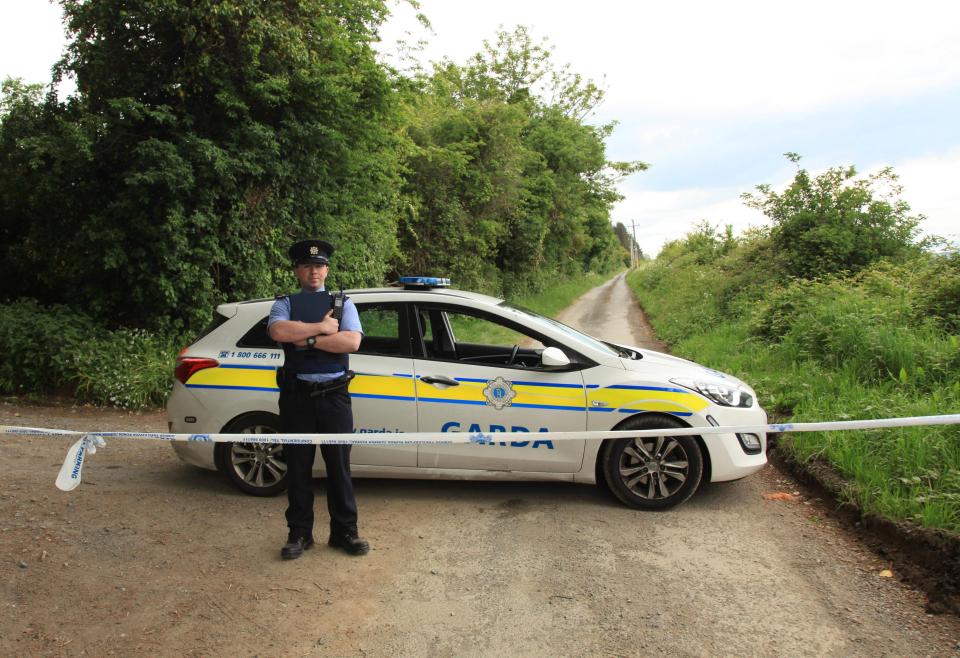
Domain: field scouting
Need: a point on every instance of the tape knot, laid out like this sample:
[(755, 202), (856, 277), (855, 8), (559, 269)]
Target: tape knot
[(93, 441)]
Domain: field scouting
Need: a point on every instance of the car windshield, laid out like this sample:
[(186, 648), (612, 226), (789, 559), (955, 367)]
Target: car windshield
[(572, 333)]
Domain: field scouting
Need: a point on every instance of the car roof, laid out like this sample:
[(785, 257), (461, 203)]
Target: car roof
[(420, 294)]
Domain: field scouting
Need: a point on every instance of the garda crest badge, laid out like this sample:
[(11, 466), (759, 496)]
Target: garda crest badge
[(314, 250), (499, 393)]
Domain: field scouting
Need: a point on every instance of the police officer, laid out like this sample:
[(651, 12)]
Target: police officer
[(314, 398)]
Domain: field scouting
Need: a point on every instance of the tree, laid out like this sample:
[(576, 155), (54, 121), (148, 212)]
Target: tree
[(508, 187), (204, 138), (627, 242), (462, 183), (44, 153), (836, 222)]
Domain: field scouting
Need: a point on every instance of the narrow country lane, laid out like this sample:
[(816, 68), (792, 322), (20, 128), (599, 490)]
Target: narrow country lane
[(611, 312)]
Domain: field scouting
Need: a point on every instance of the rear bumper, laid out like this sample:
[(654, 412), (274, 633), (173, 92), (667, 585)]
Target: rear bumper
[(181, 405), (195, 454)]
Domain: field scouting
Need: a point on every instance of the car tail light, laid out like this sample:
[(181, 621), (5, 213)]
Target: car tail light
[(187, 365)]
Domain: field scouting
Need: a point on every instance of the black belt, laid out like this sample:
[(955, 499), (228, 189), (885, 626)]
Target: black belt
[(320, 389)]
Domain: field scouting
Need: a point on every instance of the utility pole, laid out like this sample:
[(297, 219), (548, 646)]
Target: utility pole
[(634, 256)]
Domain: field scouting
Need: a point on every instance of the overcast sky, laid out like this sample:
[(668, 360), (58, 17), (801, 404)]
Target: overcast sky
[(710, 94)]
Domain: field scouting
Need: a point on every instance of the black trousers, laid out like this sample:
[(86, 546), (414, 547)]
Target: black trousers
[(332, 413)]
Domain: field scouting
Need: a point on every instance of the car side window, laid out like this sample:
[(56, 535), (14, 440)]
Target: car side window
[(471, 329), (451, 334), (381, 329)]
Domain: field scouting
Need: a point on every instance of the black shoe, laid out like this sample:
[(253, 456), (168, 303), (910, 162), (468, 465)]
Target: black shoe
[(294, 548), (350, 543)]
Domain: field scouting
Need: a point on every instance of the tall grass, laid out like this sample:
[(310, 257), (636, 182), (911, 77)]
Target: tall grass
[(882, 344)]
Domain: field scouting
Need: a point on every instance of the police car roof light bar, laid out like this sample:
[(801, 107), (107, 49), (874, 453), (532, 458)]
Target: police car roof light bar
[(415, 282)]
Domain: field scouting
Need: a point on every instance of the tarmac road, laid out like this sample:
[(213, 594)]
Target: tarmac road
[(152, 557)]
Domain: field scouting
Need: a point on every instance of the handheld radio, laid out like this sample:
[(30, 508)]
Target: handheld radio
[(338, 305)]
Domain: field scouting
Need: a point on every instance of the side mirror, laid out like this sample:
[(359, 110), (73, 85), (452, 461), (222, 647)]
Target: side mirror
[(554, 357)]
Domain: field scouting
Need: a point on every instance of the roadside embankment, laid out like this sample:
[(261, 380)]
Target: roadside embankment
[(882, 343)]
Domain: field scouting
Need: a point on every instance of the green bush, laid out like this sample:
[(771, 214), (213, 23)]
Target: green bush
[(879, 344), (688, 288), (878, 324), (935, 282), (36, 345), (45, 349), (126, 368), (836, 222)]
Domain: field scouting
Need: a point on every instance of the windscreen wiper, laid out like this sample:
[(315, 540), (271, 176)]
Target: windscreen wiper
[(624, 353)]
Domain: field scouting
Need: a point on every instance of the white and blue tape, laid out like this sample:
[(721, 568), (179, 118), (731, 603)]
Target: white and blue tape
[(70, 472)]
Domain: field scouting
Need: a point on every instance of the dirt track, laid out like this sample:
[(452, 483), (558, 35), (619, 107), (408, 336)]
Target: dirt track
[(152, 557)]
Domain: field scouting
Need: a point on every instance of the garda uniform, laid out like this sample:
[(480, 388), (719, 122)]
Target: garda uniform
[(314, 399)]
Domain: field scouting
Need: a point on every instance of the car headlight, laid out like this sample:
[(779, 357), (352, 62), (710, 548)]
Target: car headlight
[(723, 394)]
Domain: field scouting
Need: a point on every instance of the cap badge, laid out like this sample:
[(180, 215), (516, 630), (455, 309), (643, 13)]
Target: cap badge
[(314, 250)]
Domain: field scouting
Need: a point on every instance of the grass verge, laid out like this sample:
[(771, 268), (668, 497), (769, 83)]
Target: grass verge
[(880, 366)]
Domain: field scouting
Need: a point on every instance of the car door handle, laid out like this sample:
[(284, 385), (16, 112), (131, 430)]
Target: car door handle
[(439, 379)]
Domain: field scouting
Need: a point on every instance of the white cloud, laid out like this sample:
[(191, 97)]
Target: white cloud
[(672, 70), (699, 56), (31, 39), (661, 216), (930, 186)]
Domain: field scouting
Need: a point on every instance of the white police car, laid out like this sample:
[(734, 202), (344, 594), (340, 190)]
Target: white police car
[(437, 359)]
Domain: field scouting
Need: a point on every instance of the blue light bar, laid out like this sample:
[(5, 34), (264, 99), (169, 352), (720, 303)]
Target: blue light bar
[(424, 282)]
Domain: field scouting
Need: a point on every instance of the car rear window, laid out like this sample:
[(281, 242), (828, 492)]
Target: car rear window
[(218, 320), (258, 337), (381, 329)]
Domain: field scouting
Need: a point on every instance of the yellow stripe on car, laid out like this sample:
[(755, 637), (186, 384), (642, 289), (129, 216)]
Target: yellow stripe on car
[(392, 386), (235, 377), (639, 397)]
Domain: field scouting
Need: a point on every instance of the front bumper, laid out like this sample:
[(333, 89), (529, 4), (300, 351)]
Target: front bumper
[(729, 460)]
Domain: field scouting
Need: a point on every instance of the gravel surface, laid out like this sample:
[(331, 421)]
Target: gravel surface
[(152, 557)]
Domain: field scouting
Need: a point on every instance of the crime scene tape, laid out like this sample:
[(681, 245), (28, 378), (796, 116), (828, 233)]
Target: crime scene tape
[(70, 472)]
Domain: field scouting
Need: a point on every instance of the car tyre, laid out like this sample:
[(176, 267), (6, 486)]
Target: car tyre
[(653, 473), (258, 469)]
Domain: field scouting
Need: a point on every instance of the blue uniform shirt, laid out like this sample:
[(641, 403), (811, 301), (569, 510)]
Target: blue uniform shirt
[(349, 322)]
